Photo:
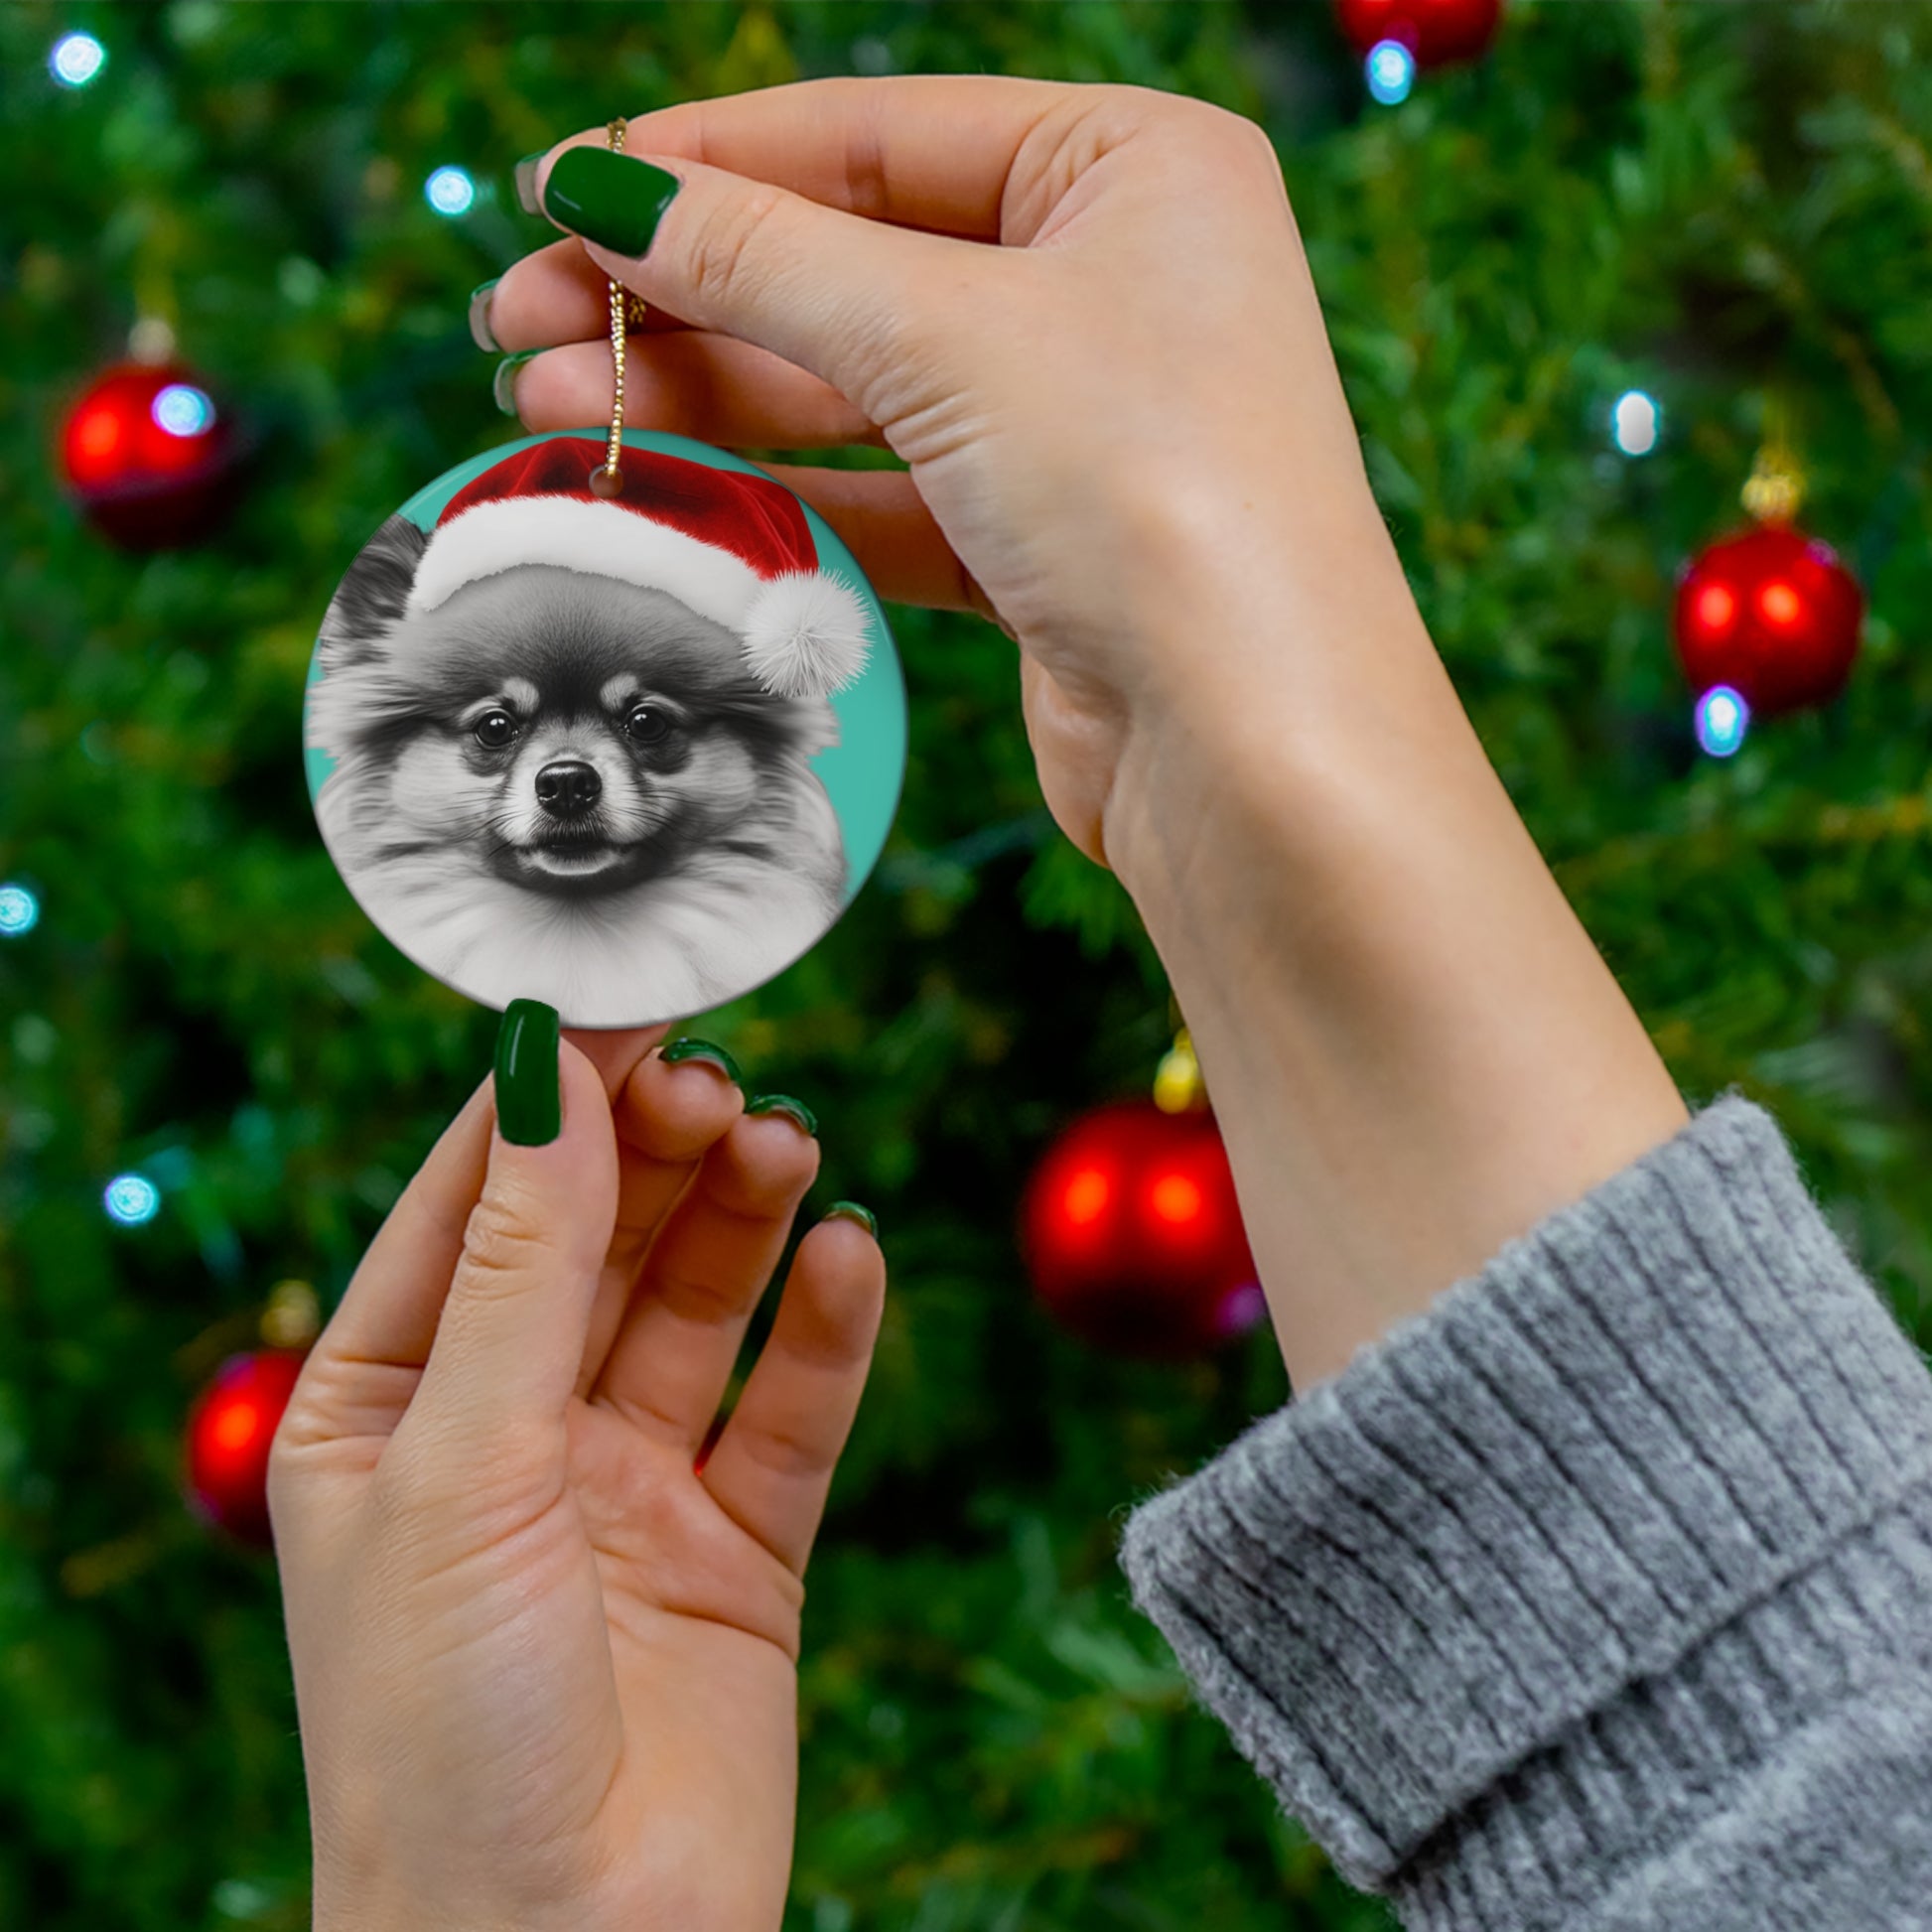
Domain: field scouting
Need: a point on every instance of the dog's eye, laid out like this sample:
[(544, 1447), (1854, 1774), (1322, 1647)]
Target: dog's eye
[(647, 725), (495, 728)]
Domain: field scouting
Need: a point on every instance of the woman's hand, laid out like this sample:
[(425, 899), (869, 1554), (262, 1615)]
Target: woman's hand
[(1120, 410), (545, 1666), (1083, 318)]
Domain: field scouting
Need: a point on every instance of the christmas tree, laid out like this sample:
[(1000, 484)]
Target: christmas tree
[(1721, 210)]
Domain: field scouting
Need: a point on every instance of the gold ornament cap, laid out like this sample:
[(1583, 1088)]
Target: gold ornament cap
[(293, 1316), (1774, 492), (1177, 1084)]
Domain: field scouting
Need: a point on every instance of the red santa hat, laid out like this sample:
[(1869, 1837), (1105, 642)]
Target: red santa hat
[(735, 547)]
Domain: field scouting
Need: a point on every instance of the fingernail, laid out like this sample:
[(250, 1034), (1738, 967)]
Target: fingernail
[(782, 1103), (529, 1088), (608, 198), (526, 176), (480, 331), (849, 1210), (502, 385), (680, 1050)]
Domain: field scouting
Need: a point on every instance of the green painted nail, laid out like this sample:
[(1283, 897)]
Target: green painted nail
[(680, 1050), (849, 1210), (608, 197), (480, 332), (526, 176), (782, 1103), (502, 385), (529, 1095)]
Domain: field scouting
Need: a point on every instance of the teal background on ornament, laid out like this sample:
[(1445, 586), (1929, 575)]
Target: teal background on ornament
[(863, 772)]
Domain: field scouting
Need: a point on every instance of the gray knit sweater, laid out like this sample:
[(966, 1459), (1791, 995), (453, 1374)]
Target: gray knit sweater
[(1599, 1595)]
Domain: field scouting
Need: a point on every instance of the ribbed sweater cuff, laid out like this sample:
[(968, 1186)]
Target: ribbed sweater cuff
[(1535, 1520)]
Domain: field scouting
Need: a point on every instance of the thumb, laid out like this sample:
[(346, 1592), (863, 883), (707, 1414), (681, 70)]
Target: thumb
[(510, 1338), (831, 292)]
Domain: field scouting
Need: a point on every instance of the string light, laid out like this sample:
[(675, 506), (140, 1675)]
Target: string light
[(1636, 422), (132, 1199), (450, 192), (1244, 1307), (183, 410), (76, 60), (20, 912), (1391, 71), (1723, 718)]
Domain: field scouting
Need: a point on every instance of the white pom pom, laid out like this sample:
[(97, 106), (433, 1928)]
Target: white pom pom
[(806, 634)]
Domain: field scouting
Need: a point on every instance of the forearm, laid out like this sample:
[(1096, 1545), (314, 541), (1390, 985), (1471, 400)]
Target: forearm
[(1414, 1048)]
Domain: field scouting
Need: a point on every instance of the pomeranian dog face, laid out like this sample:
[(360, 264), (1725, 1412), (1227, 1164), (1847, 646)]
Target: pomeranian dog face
[(563, 787), (582, 735)]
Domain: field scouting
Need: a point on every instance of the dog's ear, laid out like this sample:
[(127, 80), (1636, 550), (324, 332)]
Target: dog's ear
[(373, 595)]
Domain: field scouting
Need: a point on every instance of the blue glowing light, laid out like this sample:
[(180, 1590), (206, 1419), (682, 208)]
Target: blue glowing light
[(20, 912), (132, 1199), (183, 410), (1391, 71), (1723, 718), (1636, 422), (76, 60), (449, 191)]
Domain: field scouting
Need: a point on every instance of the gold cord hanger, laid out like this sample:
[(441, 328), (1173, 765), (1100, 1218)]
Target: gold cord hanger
[(626, 311)]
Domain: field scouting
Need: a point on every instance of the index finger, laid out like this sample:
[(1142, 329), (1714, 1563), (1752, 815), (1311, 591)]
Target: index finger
[(919, 151)]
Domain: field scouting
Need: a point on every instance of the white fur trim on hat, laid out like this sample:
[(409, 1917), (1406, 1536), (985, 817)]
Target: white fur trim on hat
[(602, 539), (806, 634)]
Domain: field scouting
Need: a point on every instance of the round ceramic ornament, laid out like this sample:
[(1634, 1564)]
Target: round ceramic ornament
[(625, 747)]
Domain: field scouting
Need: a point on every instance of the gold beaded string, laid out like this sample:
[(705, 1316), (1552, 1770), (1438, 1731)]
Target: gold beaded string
[(627, 309)]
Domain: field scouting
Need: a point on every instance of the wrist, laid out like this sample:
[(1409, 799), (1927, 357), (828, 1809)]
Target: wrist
[(1281, 679), (1413, 1049)]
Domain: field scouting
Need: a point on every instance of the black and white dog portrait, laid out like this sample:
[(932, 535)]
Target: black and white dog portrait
[(572, 738)]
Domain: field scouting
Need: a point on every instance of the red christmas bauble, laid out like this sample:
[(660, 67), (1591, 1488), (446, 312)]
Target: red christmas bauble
[(1435, 31), (1132, 1235), (149, 456), (1772, 614), (229, 1430)]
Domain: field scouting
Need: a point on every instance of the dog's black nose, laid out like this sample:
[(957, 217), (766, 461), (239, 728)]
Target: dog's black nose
[(569, 787)]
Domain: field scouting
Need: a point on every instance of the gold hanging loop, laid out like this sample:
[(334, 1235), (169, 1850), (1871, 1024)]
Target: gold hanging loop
[(626, 310)]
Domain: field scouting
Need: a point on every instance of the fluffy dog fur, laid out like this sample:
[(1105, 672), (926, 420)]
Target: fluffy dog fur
[(686, 851)]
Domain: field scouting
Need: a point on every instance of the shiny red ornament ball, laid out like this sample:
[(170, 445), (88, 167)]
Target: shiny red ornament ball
[(1133, 1236), (149, 456), (1772, 614), (1435, 31), (229, 1430)]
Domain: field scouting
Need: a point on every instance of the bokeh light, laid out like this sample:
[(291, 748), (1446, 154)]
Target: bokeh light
[(1723, 718), (132, 1199), (1243, 1308), (449, 191), (76, 59), (1636, 422), (183, 410), (1391, 71), (20, 912)]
